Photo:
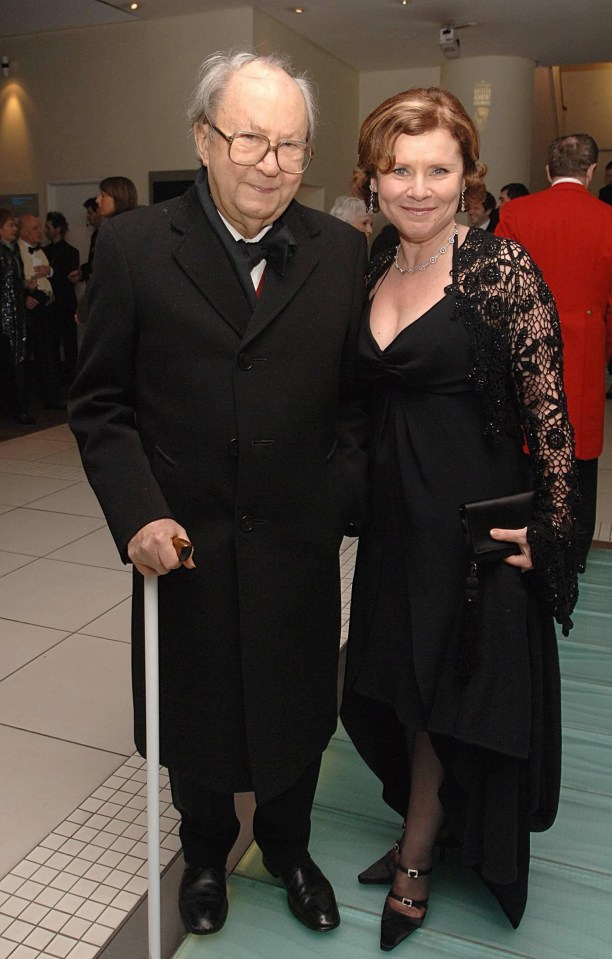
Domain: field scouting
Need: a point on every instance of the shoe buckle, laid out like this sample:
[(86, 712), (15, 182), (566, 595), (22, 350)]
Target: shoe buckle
[(412, 873), (406, 902)]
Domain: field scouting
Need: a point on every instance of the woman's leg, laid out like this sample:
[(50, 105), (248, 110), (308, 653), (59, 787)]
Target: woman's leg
[(423, 821)]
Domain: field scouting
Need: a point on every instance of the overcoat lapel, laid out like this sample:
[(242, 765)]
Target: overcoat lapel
[(278, 291), (201, 255)]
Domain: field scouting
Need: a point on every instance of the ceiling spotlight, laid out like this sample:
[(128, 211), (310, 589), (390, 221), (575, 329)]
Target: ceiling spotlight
[(134, 6), (298, 9)]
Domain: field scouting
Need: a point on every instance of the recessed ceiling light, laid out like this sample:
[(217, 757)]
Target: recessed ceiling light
[(298, 9), (134, 6)]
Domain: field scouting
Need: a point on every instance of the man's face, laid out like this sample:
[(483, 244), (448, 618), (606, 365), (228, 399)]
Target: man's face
[(503, 197), (52, 233), (257, 100), (477, 214), (30, 229), (92, 216)]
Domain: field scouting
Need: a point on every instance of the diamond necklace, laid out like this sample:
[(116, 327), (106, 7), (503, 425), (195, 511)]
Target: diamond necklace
[(432, 259)]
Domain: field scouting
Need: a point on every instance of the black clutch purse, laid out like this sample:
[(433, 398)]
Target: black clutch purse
[(504, 512)]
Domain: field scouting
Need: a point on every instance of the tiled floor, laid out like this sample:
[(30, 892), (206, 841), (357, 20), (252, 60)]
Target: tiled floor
[(72, 857)]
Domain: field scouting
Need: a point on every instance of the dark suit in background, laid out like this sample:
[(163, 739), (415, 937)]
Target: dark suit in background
[(64, 258)]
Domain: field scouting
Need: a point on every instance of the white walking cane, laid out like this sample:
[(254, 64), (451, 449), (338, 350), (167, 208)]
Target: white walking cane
[(183, 550)]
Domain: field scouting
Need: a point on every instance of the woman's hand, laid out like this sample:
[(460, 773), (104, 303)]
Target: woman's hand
[(519, 536)]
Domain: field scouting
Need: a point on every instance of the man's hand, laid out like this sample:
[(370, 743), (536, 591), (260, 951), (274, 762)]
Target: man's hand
[(151, 549), (42, 270), (31, 303)]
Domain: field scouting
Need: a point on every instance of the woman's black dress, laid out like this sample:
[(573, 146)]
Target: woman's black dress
[(488, 705)]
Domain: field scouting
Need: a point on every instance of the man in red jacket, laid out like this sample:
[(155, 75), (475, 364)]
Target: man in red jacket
[(568, 232)]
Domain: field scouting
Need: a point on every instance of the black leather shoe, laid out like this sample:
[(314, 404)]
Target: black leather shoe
[(310, 896), (203, 900), (25, 419)]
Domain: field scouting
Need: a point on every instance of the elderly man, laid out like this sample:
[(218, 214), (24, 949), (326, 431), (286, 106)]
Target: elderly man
[(42, 334), (569, 234), (215, 401)]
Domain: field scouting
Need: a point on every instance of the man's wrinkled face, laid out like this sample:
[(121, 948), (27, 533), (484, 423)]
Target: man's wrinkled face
[(257, 100)]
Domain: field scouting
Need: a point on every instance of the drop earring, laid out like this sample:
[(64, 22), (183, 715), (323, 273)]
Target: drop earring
[(463, 200), (371, 209)]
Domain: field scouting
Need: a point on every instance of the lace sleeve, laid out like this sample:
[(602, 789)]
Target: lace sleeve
[(537, 369)]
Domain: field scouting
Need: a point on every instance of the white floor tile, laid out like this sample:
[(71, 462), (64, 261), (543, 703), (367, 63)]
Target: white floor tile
[(21, 643), (94, 549), (17, 490), (36, 532), (77, 498), (69, 456), (116, 624), (32, 448), (83, 677), (11, 561), (48, 779), (61, 595)]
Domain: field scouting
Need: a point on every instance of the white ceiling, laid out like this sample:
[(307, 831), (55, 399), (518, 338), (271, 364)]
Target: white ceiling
[(374, 34)]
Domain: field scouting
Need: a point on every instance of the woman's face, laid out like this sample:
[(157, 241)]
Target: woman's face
[(106, 204), (421, 194), (8, 230), (363, 223)]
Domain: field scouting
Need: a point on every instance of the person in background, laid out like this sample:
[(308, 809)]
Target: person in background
[(387, 239), (92, 215), (482, 212), (568, 232), (42, 334), (511, 191), (64, 261), (116, 194), (13, 331), (452, 678), (216, 400), (353, 210)]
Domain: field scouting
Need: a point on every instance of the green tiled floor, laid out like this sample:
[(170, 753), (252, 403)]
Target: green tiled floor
[(568, 915)]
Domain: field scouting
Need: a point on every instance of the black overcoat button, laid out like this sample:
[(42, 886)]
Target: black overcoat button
[(245, 362), (246, 524), (233, 446)]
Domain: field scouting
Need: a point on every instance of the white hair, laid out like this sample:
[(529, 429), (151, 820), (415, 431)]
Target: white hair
[(218, 69), (348, 208)]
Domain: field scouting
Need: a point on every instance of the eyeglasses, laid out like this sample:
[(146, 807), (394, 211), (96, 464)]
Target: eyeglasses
[(249, 149)]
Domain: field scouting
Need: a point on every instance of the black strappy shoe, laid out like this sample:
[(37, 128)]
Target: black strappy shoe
[(383, 870), (396, 926)]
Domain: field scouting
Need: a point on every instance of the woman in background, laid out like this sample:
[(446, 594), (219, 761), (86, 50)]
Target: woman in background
[(116, 194), (353, 210)]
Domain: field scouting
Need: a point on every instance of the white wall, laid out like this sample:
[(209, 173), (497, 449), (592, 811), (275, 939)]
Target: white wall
[(106, 101), (338, 87), (378, 85), (84, 104)]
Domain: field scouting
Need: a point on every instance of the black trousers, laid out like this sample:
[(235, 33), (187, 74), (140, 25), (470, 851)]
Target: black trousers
[(587, 508), (209, 825), (43, 343)]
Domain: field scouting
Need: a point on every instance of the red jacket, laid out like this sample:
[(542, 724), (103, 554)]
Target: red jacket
[(568, 232)]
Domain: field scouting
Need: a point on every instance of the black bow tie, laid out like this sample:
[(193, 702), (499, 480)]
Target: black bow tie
[(33, 249), (276, 247)]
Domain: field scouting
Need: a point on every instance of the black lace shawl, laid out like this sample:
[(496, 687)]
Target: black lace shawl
[(517, 369)]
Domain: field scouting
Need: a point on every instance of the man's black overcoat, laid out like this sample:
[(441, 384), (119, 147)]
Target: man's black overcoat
[(250, 440)]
